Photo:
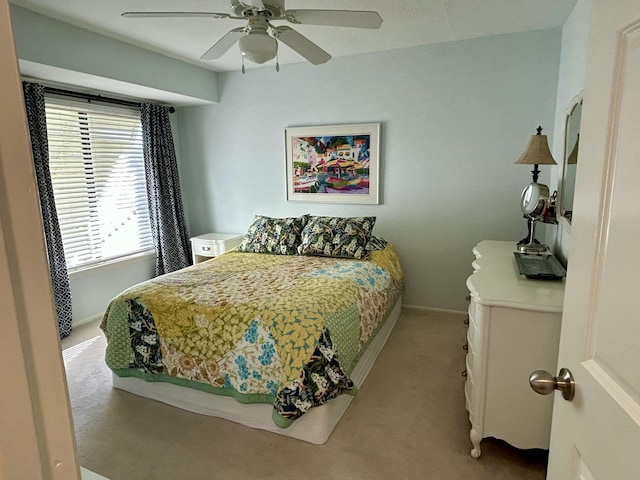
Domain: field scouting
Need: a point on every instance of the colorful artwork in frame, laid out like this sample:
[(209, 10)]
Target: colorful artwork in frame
[(333, 163)]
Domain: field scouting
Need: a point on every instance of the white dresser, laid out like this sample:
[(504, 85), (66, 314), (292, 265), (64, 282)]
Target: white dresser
[(514, 329), (209, 245)]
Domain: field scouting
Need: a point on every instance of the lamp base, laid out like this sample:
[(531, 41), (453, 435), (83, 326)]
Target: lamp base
[(529, 244), (532, 247)]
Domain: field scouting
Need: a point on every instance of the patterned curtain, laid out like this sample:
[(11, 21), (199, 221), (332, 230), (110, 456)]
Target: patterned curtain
[(163, 190), (34, 103)]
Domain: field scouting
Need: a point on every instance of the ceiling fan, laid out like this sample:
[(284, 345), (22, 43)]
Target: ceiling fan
[(258, 40)]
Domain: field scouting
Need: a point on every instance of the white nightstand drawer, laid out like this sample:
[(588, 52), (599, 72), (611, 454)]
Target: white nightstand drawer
[(213, 244), (209, 249)]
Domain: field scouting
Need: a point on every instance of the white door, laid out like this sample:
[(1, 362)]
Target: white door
[(597, 435), (36, 432)]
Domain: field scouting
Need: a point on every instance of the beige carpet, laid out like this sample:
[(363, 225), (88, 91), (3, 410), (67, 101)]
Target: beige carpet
[(407, 422)]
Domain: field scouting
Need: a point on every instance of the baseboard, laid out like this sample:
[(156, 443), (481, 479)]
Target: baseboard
[(417, 309), (84, 321)]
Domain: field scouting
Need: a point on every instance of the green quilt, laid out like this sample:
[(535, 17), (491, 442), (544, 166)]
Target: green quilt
[(280, 329)]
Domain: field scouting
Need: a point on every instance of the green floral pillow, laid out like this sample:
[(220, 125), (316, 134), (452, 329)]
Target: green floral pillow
[(279, 236), (337, 237)]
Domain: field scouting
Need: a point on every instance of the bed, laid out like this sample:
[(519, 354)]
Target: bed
[(277, 334)]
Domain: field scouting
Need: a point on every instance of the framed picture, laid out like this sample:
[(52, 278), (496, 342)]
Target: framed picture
[(333, 163)]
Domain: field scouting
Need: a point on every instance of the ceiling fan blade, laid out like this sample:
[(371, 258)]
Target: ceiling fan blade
[(225, 43), (302, 45), (336, 18), (176, 14)]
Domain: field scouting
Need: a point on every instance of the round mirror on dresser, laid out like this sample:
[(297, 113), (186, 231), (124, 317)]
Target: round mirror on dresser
[(534, 204)]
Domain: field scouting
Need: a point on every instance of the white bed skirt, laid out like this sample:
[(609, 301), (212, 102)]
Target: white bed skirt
[(315, 426)]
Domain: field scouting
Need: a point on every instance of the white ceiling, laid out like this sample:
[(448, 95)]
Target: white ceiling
[(406, 23)]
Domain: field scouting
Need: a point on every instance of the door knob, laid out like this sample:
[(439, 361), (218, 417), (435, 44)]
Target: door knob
[(544, 383)]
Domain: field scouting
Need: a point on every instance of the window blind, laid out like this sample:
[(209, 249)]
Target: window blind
[(97, 171)]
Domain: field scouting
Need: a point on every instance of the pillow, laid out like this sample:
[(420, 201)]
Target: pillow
[(279, 236), (337, 237), (376, 243)]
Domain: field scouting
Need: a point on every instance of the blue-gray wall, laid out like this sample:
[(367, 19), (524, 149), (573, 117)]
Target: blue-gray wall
[(573, 65), (66, 51), (455, 116)]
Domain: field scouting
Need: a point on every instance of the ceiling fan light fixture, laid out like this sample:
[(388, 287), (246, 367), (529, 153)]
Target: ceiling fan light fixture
[(259, 47)]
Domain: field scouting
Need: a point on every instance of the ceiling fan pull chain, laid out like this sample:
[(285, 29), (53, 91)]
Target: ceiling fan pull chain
[(243, 64), (277, 63)]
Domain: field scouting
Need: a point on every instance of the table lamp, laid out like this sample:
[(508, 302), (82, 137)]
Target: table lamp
[(536, 153)]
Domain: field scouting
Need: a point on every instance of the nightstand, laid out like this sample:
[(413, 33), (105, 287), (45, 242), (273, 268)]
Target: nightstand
[(211, 245)]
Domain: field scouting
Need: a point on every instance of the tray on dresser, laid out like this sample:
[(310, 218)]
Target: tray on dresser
[(539, 266)]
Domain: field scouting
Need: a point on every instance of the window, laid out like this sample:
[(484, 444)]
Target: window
[(97, 172)]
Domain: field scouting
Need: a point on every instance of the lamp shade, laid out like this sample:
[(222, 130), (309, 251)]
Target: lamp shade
[(537, 151), (259, 47)]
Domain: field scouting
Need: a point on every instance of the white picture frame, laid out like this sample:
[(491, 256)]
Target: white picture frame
[(333, 163)]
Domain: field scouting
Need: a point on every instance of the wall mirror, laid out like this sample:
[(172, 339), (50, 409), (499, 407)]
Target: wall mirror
[(570, 158)]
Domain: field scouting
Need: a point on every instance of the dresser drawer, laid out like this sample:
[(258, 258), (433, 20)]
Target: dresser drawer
[(471, 375), (472, 310), (474, 335), (469, 388), (471, 336), (471, 360)]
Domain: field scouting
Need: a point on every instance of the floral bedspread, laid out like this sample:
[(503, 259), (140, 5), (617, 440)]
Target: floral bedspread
[(279, 329)]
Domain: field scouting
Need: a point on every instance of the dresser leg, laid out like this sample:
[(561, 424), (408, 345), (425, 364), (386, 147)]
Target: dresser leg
[(476, 438)]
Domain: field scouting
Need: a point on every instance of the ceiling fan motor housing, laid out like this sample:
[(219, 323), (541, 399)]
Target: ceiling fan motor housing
[(270, 9)]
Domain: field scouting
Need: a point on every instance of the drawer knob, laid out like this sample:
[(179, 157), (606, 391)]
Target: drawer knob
[(206, 249), (544, 383)]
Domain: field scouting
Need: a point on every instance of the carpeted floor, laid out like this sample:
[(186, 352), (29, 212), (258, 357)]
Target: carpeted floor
[(408, 421)]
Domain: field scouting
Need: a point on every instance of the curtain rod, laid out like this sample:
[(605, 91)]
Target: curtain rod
[(90, 96)]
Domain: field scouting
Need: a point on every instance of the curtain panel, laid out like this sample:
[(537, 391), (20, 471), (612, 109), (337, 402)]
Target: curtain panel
[(166, 212), (37, 120)]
